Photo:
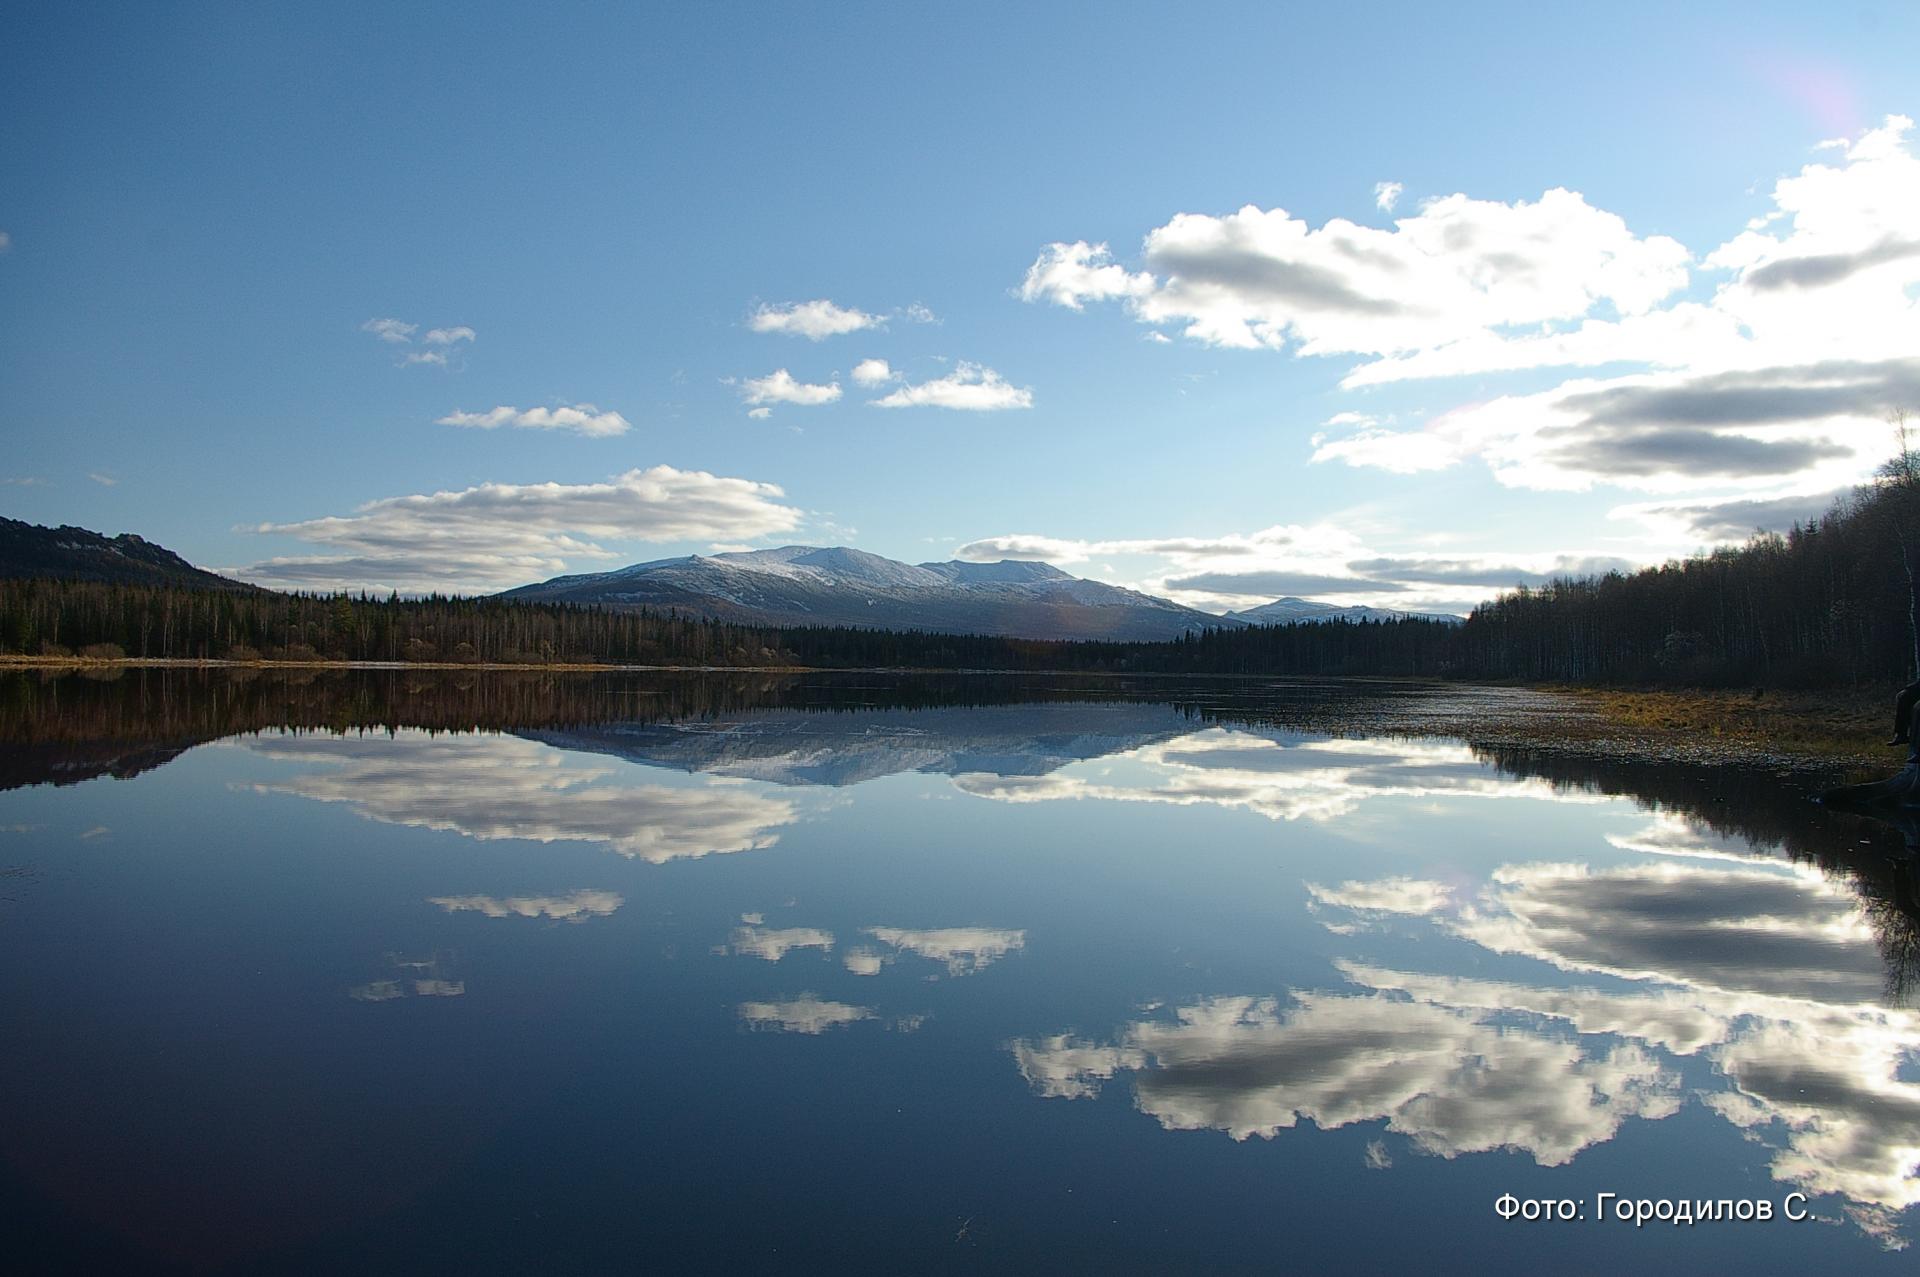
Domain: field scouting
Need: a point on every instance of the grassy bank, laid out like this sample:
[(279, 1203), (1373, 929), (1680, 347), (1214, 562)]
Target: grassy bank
[(1844, 725)]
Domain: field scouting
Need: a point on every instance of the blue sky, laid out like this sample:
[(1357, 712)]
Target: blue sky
[(572, 220)]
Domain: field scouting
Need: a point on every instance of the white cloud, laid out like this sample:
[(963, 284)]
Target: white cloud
[(104, 480), (1386, 195), (872, 372), (1774, 382), (1816, 425), (396, 331), (815, 320), (500, 534), (1400, 452), (918, 314), (1460, 266), (576, 906), (1073, 274), (780, 387), (586, 419), (968, 387), (6, 241), (1321, 560)]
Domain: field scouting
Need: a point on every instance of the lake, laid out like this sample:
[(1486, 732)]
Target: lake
[(410, 971)]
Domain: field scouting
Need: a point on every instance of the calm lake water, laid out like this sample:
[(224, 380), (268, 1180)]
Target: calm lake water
[(404, 972)]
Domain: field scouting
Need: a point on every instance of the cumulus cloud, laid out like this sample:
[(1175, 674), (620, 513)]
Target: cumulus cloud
[(1265, 278), (575, 906), (781, 387), (500, 534), (448, 336), (586, 419), (1073, 274), (969, 387), (1775, 380), (1819, 425), (872, 372), (495, 787), (816, 320), (1386, 195)]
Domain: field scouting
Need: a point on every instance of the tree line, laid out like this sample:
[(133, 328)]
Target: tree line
[(1830, 602)]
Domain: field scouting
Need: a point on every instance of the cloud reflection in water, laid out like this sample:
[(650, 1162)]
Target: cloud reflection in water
[(492, 787)]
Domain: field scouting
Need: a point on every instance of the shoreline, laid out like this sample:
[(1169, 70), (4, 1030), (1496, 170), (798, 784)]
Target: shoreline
[(1835, 731)]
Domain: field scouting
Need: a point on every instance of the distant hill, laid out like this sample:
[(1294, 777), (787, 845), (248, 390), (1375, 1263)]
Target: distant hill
[(1289, 610), (28, 550), (837, 586)]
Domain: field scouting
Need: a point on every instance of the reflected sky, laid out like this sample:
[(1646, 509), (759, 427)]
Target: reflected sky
[(1162, 961), (491, 787)]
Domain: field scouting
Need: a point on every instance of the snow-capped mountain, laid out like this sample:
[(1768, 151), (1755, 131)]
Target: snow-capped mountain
[(1289, 610), (807, 585)]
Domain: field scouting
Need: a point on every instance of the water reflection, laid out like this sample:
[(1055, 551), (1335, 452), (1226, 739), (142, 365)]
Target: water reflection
[(805, 1013), (1443, 1076), (1282, 776), (1723, 948), (1769, 970), (429, 977), (490, 787), (575, 906)]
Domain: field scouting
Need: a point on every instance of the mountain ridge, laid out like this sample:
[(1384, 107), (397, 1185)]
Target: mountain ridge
[(29, 550), (840, 586)]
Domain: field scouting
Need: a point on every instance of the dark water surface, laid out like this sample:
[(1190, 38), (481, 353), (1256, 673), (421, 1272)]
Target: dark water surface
[(404, 972)]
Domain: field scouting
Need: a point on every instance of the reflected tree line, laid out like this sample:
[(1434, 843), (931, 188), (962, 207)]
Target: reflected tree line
[(1755, 807), (62, 728), (1832, 602)]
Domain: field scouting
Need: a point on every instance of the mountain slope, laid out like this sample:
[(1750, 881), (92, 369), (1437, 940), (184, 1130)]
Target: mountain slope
[(808, 585), (75, 554)]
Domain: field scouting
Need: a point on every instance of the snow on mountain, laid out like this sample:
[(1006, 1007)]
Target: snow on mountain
[(810, 585)]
